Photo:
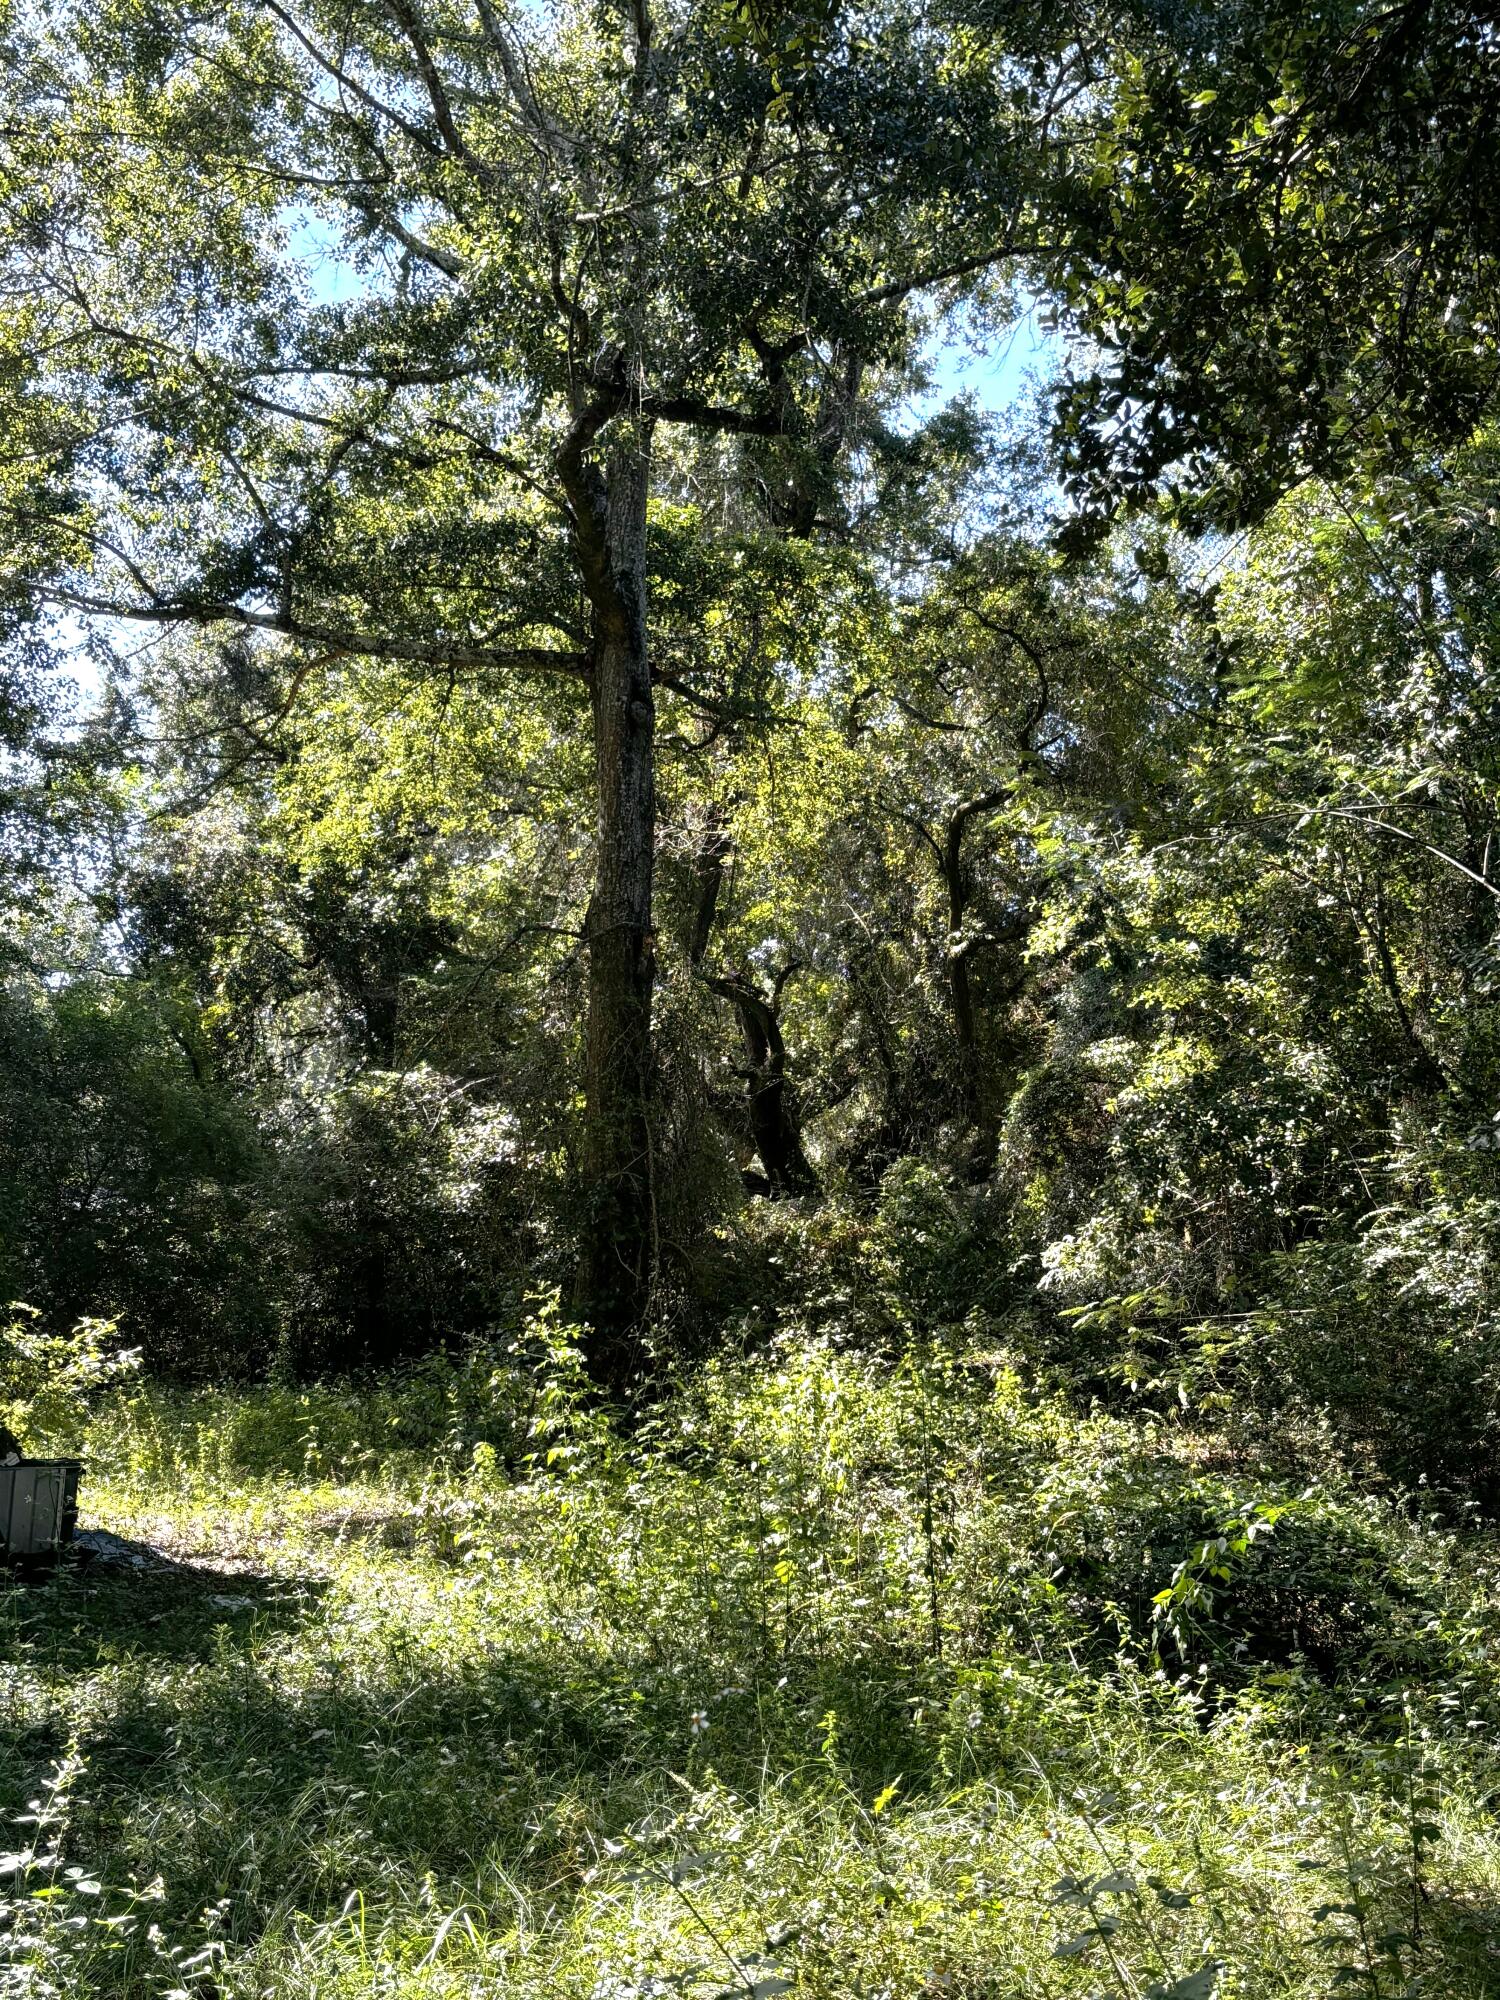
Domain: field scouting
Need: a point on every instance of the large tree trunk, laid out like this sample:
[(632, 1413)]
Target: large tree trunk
[(618, 1253)]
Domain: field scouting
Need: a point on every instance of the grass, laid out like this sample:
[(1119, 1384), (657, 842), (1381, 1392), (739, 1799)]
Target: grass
[(836, 1678)]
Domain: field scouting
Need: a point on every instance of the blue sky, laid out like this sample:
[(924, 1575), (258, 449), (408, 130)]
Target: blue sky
[(330, 278), (997, 372)]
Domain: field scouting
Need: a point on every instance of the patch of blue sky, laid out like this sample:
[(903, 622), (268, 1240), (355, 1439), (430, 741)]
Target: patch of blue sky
[(1008, 368), (1001, 369), (333, 278)]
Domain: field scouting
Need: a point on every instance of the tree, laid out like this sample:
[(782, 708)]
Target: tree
[(1282, 239), (566, 235)]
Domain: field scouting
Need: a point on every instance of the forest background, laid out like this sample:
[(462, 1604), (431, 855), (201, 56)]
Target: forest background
[(630, 921)]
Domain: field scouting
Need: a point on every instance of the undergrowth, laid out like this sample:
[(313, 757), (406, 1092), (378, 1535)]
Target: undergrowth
[(838, 1676)]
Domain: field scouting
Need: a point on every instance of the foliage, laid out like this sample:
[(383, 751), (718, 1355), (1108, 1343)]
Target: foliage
[(1280, 238), (675, 1709), (1141, 887), (964, 961), (127, 1167), (48, 1381)]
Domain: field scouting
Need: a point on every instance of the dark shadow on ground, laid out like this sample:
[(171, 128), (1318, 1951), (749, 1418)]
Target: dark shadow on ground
[(104, 1599), (1461, 1931), (233, 1765), (272, 1778)]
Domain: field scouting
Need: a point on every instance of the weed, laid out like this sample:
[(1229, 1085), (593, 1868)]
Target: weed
[(838, 1677)]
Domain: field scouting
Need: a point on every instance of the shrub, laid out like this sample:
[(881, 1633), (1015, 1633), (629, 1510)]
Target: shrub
[(48, 1381)]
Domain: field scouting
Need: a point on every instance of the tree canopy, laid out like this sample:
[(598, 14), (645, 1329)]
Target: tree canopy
[(586, 743)]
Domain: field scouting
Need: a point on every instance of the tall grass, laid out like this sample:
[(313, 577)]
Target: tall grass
[(837, 1676)]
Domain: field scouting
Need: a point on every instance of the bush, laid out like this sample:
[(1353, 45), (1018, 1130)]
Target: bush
[(128, 1173), (48, 1381), (1230, 1576)]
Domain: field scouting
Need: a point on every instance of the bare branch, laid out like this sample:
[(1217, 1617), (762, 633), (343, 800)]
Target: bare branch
[(342, 77), (447, 261), (713, 416), (1375, 825), (918, 281), (405, 18)]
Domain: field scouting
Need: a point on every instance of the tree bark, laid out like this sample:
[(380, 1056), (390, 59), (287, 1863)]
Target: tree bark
[(953, 870), (960, 987), (617, 1262), (774, 1124)]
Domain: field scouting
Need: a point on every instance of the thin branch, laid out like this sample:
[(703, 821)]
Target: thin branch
[(918, 281), (346, 82), (1396, 833)]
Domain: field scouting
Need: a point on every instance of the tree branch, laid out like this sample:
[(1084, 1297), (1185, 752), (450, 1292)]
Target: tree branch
[(405, 18), (346, 82), (355, 644), (713, 416)]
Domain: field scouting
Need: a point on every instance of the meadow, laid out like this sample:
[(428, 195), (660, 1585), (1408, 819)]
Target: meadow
[(836, 1675)]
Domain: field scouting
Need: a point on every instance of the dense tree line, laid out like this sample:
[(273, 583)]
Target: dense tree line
[(592, 787)]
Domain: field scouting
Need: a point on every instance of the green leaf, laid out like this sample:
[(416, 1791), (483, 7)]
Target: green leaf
[(1074, 1947), (1199, 1985)]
